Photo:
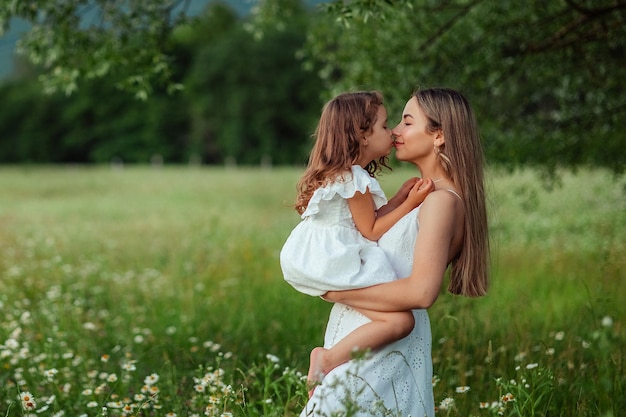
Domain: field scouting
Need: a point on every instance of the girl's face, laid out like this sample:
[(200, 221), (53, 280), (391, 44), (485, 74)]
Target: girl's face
[(412, 140), (379, 142)]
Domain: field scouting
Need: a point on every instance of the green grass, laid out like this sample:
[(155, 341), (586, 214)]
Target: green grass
[(172, 271)]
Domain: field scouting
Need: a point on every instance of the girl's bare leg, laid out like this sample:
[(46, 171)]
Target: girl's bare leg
[(385, 327)]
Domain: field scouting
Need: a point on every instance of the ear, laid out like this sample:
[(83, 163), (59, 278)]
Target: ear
[(440, 138)]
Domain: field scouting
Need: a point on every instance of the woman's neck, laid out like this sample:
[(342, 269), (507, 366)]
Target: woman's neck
[(435, 173)]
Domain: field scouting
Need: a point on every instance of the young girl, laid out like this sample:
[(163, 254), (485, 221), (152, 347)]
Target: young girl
[(333, 247)]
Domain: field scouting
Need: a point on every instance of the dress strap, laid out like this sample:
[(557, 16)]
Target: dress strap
[(454, 192)]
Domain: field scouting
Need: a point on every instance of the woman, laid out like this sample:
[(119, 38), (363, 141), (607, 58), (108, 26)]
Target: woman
[(438, 134)]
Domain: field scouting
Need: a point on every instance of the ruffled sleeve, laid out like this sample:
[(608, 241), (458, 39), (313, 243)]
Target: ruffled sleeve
[(356, 180)]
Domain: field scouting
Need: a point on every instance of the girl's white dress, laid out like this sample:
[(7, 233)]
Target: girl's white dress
[(325, 251), (395, 380)]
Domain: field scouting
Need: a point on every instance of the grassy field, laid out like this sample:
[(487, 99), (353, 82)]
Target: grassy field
[(142, 291)]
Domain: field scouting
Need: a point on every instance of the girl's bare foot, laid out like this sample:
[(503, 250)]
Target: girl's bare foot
[(316, 369)]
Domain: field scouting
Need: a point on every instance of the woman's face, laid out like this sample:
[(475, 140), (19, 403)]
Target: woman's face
[(413, 141)]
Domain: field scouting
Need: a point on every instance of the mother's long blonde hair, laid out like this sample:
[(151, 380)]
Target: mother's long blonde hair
[(461, 157), (345, 121)]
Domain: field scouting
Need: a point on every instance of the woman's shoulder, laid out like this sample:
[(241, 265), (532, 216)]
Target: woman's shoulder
[(442, 202)]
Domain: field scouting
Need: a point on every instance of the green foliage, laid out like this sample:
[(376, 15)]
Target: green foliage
[(78, 40), (248, 99), (545, 78)]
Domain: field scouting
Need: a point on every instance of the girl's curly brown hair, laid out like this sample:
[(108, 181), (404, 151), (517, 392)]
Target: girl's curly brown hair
[(345, 121)]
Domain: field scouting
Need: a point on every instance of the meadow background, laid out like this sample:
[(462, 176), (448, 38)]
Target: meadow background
[(158, 291)]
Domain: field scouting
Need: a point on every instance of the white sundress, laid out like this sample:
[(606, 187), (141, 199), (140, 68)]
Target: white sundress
[(394, 381), (325, 251)]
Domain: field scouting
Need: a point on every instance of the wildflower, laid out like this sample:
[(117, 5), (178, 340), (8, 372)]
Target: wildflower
[(139, 397), (151, 379), (586, 344), (607, 321), (559, 336), (112, 378), (483, 405), (115, 404), (104, 358), (462, 390), (446, 404), (508, 397), (199, 388), (532, 365), (171, 414), (139, 339), (272, 358), (435, 380), (11, 344), (28, 403), (89, 326), (129, 366), (87, 391), (50, 373), (550, 351)]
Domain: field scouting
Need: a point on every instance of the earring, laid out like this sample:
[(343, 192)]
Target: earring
[(436, 149)]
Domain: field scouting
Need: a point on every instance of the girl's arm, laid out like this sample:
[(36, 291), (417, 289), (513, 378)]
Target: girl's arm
[(372, 226), (438, 223), (400, 196)]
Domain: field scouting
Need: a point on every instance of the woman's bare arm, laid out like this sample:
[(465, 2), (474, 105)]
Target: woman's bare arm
[(437, 219)]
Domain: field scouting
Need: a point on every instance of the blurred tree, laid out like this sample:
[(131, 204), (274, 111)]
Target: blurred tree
[(546, 78), (253, 102), (92, 125), (247, 99)]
